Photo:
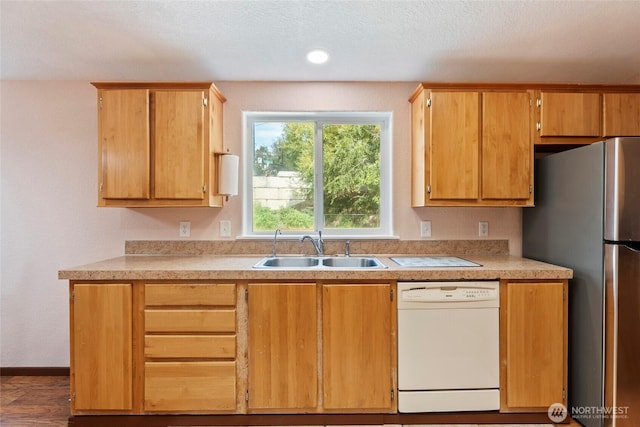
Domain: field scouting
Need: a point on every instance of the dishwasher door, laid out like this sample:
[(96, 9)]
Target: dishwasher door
[(448, 346)]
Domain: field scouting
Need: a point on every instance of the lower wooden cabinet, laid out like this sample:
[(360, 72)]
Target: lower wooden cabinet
[(190, 347), (349, 355), (288, 347), (533, 345), (357, 347), (283, 347), (101, 347)]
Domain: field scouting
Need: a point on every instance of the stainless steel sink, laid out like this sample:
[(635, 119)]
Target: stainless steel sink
[(288, 262), (294, 262), (352, 262)]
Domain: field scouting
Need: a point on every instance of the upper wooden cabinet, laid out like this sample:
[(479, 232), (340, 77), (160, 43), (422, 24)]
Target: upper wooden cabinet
[(621, 114), (124, 144), (569, 114), (471, 147), (507, 152), (472, 144), (453, 140), (157, 144), (583, 114)]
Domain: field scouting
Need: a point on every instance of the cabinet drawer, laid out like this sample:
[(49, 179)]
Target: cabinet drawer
[(194, 346), (191, 295), (190, 320), (189, 386)]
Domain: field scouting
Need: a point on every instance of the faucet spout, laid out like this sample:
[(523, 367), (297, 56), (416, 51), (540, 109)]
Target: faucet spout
[(318, 244), (275, 240)]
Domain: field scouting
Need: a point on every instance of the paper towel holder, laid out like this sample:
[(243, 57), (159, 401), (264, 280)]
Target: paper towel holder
[(228, 175)]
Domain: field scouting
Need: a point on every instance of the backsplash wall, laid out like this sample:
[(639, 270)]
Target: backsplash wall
[(48, 214)]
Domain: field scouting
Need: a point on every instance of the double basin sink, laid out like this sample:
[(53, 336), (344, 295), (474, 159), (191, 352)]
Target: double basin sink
[(306, 262)]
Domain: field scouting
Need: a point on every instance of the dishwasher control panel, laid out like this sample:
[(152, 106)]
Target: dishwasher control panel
[(449, 292)]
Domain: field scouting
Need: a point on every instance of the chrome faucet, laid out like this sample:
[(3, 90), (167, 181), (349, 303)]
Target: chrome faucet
[(318, 243), (275, 240)]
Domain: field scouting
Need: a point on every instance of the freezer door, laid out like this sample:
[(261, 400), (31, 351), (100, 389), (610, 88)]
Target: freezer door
[(622, 190), (622, 336)]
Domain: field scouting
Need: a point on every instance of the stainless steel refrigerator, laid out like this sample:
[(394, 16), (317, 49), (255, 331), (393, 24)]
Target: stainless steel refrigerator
[(587, 217)]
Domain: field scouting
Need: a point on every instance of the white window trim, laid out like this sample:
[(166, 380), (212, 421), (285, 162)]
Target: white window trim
[(384, 118)]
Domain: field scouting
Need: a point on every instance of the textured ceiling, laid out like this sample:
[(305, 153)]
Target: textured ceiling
[(375, 40)]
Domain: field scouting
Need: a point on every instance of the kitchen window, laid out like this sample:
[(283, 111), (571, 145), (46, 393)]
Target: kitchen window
[(306, 172)]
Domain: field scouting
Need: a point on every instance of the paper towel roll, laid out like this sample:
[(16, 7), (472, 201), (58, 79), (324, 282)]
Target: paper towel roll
[(228, 178)]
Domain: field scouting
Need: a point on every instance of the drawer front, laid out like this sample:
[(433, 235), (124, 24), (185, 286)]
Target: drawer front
[(190, 346), (190, 386), (190, 320), (191, 295)]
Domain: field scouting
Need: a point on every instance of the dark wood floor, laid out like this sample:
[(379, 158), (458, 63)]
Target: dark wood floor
[(30, 401), (33, 401)]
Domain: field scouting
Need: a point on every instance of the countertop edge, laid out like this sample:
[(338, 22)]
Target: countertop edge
[(224, 268)]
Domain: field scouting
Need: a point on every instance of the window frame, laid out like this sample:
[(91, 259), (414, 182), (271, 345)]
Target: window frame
[(382, 118)]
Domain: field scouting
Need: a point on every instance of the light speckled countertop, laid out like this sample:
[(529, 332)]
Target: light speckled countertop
[(240, 267)]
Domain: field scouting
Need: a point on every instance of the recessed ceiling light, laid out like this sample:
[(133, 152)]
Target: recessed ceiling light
[(317, 56)]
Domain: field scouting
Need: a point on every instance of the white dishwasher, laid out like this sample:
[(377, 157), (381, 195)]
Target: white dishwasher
[(448, 346)]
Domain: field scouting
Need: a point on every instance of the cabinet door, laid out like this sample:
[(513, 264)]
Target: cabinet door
[(454, 145), (418, 159), (535, 352), (101, 347), (357, 347), (179, 144), (283, 338), (569, 114), (507, 152), (621, 114), (123, 129)]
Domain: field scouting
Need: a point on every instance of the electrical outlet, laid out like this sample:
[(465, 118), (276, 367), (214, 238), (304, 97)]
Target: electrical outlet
[(483, 228), (185, 229), (225, 228), (425, 228)]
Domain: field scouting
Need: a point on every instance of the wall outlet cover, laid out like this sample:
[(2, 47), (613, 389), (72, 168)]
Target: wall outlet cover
[(225, 228), (185, 229), (425, 228), (483, 229)]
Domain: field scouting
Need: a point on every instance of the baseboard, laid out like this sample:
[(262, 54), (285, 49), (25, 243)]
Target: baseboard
[(38, 371), (308, 419)]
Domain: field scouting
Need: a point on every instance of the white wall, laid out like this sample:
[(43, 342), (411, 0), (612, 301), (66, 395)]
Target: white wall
[(48, 214)]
